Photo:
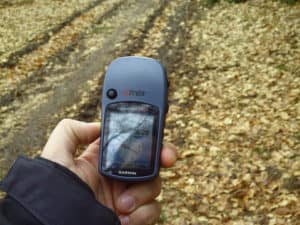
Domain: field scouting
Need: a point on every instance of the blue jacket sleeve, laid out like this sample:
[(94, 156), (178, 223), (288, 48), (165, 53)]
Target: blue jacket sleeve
[(41, 192)]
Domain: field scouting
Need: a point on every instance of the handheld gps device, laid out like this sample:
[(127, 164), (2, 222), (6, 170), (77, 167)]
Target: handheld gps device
[(134, 104)]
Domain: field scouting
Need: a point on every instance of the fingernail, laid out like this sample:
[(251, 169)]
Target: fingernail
[(127, 202), (124, 220)]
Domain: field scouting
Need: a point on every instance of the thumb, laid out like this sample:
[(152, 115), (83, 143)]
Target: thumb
[(67, 135)]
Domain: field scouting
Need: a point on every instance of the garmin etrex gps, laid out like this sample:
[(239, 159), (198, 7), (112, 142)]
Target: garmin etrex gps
[(134, 104)]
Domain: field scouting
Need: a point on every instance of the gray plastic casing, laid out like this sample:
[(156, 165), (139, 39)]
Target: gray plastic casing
[(140, 74)]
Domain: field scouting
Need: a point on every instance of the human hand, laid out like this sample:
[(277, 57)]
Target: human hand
[(135, 204)]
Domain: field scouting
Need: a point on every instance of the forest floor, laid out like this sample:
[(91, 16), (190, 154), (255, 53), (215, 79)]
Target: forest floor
[(234, 96)]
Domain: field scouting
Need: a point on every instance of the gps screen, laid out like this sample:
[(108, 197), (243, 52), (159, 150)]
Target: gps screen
[(129, 137)]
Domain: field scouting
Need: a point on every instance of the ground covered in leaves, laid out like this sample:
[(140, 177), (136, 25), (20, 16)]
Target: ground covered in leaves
[(234, 97)]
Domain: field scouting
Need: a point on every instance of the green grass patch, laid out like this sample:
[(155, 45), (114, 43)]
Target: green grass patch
[(264, 153), (282, 67), (297, 136), (101, 28), (236, 1), (292, 183), (289, 2), (163, 216), (211, 3)]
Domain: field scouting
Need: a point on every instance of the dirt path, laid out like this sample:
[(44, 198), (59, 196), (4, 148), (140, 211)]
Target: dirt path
[(234, 98)]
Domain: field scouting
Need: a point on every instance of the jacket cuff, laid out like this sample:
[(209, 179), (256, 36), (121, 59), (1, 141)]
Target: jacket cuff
[(54, 195)]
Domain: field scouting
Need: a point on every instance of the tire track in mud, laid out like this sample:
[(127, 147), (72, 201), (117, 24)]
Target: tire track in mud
[(178, 58), (39, 59), (43, 38), (30, 133)]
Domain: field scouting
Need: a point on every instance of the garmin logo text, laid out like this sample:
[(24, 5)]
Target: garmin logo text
[(125, 172), (133, 93)]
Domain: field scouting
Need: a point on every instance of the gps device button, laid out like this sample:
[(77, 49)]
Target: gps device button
[(111, 93)]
